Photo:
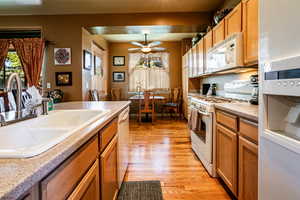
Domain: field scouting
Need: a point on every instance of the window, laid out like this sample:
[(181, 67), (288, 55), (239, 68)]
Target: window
[(149, 71), (12, 64)]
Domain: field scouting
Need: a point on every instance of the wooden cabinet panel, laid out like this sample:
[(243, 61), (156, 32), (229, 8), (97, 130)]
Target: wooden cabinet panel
[(219, 32), (195, 61), (88, 188), (107, 133), (227, 157), (109, 179), (208, 41), (250, 30), (228, 120), (200, 57), (249, 129), (233, 21), (189, 56), (62, 181), (248, 170)]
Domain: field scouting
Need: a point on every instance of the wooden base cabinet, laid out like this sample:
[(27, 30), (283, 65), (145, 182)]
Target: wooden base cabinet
[(227, 157), (248, 170), (109, 178), (88, 188), (237, 154)]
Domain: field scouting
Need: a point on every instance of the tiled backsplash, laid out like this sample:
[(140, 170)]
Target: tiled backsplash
[(222, 79)]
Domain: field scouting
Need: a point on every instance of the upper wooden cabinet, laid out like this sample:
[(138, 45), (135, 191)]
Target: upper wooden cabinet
[(219, 32), (227, 157), (248, 170), (233, 21), (195, 60), (250, 30), (200, 52), (208, 41)]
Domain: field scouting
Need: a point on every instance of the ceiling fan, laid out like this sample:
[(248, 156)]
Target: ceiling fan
[(147, 47)]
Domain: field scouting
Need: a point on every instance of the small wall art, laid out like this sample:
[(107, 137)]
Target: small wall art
[(118, 76), (63, 78), (87, 60), (98, 67), (62, 56), (118, 60)]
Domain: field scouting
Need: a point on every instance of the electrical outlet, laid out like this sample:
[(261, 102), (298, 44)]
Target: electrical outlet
[(48, 85)]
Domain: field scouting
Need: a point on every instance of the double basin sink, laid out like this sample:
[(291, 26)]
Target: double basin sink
[(35, 136)]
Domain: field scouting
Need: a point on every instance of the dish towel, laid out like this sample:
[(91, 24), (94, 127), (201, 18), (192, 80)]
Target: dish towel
[(195, 120)]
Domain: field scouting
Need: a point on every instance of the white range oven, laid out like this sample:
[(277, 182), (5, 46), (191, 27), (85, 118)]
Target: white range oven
[(202, 140)]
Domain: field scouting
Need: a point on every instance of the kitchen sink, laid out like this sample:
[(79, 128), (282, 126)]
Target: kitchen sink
[(35, 136)]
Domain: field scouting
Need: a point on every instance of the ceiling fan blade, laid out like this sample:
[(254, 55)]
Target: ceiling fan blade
[(134, 49), (153, 44), (137, 44), (158, 49)]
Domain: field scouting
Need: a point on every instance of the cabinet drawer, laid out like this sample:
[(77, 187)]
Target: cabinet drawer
[(107, 133), (249, 129), (89, 187), (60, 184), (228, 120)]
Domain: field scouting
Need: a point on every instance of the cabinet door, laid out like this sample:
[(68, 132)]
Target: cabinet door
[(250, 30), (248, 170), (195, 60), (88, 188), (61, 182), (190, 62), (109, 179), (227, 157), (200, 51), (208, 41), (219, 32), (233, 21)]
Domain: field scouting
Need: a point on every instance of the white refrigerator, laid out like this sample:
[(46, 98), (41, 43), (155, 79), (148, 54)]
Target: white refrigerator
[(279, 118)]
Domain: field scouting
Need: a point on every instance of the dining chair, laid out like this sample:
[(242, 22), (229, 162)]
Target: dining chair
[(116, 94), (175, 102), (147, 106), (94, 95)]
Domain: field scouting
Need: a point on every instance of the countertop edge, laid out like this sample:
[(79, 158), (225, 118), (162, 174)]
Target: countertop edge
[(239, 113), (31, 180)]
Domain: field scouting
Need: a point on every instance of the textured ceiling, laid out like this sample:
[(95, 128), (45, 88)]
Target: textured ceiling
[(48, 7)]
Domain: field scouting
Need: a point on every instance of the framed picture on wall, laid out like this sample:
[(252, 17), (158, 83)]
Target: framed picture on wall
[(118, 60), (87, 60), (62, 56), (98, 66), (63, 78), (118, 76)]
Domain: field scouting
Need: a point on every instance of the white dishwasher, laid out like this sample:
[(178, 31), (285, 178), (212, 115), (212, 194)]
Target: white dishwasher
[(123, 144)]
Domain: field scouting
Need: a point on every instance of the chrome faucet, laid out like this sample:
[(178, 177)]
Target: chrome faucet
[(14, 77)]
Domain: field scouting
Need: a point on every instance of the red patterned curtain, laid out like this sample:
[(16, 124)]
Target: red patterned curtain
[(4, 46), (31, 52)]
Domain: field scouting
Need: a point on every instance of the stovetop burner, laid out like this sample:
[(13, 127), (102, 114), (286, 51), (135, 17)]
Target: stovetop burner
[(206, 103)]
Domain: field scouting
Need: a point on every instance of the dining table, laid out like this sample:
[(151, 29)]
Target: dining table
[(139, 97)]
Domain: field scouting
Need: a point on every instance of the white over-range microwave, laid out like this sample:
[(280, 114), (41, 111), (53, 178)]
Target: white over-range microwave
[(225, 55)]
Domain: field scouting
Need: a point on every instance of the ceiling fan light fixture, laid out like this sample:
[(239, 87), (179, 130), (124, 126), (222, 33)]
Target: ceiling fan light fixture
[(146, 49)]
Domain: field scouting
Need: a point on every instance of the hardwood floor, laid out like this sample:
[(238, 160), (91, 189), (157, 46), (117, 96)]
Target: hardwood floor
[(163, 152)]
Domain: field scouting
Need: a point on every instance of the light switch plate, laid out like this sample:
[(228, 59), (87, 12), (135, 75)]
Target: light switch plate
[(48, 85)]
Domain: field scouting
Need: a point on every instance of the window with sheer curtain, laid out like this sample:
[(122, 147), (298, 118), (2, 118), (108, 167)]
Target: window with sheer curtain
[(149, 71)]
